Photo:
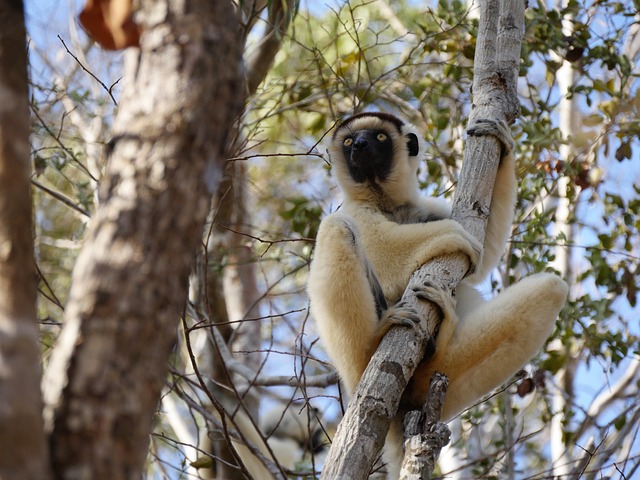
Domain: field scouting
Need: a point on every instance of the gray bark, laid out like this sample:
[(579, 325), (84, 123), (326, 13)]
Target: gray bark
[(424, 434), (360, 435), (130, 281), (23, 450)]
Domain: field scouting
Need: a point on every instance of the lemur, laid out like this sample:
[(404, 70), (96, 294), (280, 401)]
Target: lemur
[(367, 251)]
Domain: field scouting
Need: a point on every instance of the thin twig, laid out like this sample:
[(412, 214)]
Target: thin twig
[(107, 89), (58, 196)]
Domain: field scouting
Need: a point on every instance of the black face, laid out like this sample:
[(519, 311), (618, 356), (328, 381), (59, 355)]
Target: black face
[(369, 155)]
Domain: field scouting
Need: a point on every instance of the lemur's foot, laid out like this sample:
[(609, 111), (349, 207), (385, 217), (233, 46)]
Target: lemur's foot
[(494, 127), (437, 295), (447, 304), (475, 259), (401, 314)]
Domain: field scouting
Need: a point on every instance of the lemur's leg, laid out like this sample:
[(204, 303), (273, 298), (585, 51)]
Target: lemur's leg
[(497, 338), (496, 128), (345, 304), (347, 301)]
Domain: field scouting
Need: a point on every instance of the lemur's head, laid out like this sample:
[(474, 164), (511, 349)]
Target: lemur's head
[(376, 158)]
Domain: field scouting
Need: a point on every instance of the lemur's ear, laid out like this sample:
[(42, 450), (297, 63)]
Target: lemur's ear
[(412, 144)]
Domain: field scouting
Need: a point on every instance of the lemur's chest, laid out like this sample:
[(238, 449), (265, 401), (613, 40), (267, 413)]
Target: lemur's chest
[(383, 252)]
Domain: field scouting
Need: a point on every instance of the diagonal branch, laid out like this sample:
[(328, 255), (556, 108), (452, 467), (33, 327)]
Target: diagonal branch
[(360, 435), (280, 14), (605, 398)]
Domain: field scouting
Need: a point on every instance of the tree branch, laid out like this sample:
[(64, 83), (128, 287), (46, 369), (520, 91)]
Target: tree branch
[(605, 398), (254, 378), (259, 61), (375, 401), (424, 434)]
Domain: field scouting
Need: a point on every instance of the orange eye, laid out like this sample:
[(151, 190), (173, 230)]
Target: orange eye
[(348, 142), (381, 137)]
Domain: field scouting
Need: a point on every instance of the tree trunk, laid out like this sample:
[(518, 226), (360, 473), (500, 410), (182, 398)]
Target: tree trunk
[(182, 93), (562, 457), (232, 296), (23, 450), (235, 287)]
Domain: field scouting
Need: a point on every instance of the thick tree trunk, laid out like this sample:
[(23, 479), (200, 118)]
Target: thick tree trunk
[(23, 451), (182, 93)]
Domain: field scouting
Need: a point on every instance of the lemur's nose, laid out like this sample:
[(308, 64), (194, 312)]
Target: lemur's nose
[(359, 144)]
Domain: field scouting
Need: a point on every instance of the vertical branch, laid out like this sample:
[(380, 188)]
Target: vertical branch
[(424, 434), (495, 75), (562, 397)]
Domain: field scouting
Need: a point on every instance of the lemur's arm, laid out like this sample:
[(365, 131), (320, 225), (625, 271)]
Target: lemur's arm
[(396, 251)]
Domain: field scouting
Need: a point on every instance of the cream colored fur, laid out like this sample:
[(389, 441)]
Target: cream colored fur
[(480, 344)]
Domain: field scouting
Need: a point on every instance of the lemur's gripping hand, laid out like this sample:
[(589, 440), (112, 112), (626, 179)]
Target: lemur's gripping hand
[(497, 128)]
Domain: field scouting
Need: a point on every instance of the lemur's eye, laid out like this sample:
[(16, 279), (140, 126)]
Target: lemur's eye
[(381, 137), (347, 142)]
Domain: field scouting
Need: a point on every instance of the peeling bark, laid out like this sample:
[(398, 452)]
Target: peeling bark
[(424, 434)]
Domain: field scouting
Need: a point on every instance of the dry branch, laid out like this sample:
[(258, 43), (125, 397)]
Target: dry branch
[(258, 63), (360, 435), (424, 434)]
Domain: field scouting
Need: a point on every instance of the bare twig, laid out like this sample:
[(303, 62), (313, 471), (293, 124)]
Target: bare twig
[(254, 378), (58, 196), (107, 89)]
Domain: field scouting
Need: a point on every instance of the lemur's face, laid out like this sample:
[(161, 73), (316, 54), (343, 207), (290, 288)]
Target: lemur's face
[(376, 155), (368, 154)]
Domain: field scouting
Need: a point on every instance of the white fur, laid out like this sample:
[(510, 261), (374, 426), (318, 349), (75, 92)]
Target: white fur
[(481, 344)]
